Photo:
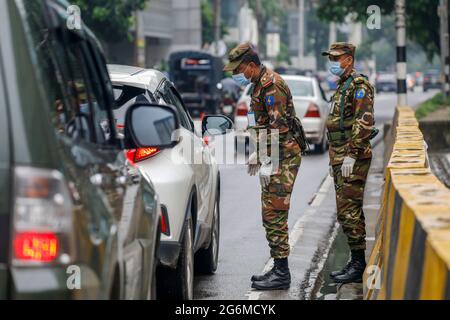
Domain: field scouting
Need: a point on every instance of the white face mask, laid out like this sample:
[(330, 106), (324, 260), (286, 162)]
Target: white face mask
[(241, 79)]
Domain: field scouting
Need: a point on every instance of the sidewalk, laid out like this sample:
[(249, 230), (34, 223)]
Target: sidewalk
[(338, 255)]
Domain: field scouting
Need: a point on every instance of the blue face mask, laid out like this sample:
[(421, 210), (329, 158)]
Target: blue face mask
[(335, 68), (241, 79)]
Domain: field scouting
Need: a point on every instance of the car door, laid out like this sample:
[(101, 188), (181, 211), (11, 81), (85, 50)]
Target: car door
[(200, 155), (124, 187)]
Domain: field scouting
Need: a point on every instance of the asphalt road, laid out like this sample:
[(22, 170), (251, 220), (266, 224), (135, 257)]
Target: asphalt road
[(243, 247)]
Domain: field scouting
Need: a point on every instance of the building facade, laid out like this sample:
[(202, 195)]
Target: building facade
[(163, 27)]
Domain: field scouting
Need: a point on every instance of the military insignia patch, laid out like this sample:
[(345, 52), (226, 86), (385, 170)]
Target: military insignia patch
[(270, 101), (361, 93)]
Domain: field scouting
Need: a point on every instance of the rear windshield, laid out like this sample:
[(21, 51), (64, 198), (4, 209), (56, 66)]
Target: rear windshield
[(192, 75), (300, 88), (125, 96), (386, 77)]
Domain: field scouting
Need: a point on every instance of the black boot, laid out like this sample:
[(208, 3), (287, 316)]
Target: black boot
[(261, 277), (340, 272), (279, 278), (355, 271)]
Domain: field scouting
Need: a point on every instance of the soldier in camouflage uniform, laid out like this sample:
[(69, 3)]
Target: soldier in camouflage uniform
[(350, 127), (271, 113)]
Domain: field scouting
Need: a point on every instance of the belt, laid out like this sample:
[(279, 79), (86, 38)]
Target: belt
[(339, 135)]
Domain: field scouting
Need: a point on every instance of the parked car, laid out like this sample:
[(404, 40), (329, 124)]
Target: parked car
[(73, 213), (432, 80), (386, 82), (311, 107), (186, 178), (196, 75)]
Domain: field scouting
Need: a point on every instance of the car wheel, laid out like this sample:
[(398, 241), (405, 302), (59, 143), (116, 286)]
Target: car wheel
[(178, 284), (206, 260)]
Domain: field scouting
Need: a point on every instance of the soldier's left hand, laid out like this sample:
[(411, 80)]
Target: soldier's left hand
[(347, 166)]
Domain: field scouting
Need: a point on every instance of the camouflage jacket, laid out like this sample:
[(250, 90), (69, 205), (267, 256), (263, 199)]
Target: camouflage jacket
[(358, 119), (271, 101)]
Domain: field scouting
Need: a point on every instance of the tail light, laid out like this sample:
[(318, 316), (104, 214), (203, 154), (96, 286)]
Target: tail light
[(242, 109), (165, 229), (313, 111), (141, 154), (42, 222)]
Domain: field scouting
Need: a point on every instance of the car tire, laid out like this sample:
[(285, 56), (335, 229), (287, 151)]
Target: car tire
[(178, 284), (206, 260)]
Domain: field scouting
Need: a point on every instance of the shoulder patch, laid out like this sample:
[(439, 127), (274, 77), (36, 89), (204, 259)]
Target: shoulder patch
[(270, 101), (360, 93), (266, 80)]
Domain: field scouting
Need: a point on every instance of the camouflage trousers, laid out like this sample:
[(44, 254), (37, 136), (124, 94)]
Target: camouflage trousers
[(276, 199), (349, 202)]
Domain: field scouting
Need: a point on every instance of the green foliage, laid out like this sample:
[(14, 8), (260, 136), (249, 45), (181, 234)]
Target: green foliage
[(208, 34), (422, 22), (431, 105), (111, 20)]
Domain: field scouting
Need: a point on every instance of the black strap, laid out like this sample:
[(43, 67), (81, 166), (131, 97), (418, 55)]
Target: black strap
[(342, 106)]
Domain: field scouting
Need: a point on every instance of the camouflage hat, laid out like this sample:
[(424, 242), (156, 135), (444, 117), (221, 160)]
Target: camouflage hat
[(237, 55), (339, 48)]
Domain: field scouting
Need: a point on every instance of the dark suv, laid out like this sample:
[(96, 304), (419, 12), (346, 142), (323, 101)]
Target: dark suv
[(76, 220)]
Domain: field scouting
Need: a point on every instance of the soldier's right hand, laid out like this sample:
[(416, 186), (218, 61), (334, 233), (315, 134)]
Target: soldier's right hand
[(331, 171), (253, 165)]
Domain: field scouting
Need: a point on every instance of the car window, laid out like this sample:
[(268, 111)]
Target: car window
[(50, 61), (170, 97), (300, 88), (99, 100)]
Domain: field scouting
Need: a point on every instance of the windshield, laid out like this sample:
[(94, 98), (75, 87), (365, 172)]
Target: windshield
[(300, 88)]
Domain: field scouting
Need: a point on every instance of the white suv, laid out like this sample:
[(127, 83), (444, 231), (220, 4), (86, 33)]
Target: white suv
[(189, 190)]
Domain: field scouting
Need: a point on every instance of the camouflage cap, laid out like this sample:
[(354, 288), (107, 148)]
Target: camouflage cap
[(238, 54), (339, 48)]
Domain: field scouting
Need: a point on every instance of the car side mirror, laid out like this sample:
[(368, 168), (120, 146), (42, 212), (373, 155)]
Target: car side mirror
[(151, 125), (216, 125)]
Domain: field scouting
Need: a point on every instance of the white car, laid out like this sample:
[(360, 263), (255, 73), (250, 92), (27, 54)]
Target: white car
[(311, 107), (189, 192)]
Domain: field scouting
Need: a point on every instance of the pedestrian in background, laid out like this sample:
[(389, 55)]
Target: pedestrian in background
[(272, 109), (350, 127)]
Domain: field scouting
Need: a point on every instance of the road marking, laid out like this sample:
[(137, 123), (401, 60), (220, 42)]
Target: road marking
[(297, 231)]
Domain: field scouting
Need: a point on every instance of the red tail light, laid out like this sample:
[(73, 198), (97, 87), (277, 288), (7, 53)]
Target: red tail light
[(313, 111), (136, 155), (242, 109), (43, 221), (41, 247), (165, 229)]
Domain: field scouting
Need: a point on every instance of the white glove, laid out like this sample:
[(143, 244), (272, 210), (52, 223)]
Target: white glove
[(253, 165), (264, 174), (331, 172), (347, 166)]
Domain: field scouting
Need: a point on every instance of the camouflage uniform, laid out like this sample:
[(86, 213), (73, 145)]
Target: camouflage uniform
[(273, 107), (353, 141)]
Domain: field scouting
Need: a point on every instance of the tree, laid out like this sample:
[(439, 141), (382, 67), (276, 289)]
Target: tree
[(111, 20), (422, 22), (208, 35), (264, 11)]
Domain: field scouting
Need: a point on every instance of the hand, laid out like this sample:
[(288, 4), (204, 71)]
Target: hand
[(331, 172), (264, 174), (253, 165), (347, 166)]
